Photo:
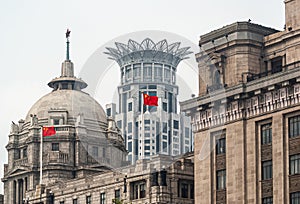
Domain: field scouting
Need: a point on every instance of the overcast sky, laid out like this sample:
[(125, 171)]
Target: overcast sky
[(32, 43)]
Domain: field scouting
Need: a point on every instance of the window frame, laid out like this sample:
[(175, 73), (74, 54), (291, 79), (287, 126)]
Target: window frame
[(267, 170), (117, 194), (294, 126), (294, 196), (102, 198), (55, 146), (184, 190), (88, 199), (267, 200), (266, 133), (221, 179), (221, 146), (294, 164)]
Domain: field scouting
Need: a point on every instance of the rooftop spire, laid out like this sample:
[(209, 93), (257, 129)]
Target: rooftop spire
[(67, 80), (68, 42)]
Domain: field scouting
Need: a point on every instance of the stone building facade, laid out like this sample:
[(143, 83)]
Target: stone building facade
[(246, 119), (148, 181)]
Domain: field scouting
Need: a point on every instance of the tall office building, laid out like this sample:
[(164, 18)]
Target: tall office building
[(247, 116), (150, 68)]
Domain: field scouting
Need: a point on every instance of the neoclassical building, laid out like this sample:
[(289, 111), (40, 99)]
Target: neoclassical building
[(86, 141), (246, 119)]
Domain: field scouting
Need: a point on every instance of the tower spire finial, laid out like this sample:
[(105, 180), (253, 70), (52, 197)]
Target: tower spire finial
[(68, 42)]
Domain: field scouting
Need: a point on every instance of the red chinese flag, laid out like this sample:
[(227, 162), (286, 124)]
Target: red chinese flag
[(49, 131), (150, 100)]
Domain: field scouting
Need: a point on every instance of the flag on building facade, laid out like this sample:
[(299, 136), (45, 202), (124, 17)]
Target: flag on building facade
[(49, 131), (150, 100)]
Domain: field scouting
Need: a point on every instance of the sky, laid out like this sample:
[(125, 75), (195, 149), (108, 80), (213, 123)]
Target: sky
[(32, 41)]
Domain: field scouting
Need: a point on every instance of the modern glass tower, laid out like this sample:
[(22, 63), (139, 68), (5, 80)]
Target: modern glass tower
[(150, 68)]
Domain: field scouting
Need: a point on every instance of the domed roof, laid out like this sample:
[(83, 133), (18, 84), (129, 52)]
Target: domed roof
[(74, 101)]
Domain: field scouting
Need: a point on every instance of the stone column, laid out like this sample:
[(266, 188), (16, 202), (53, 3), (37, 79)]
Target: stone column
[(14, 193), (17, 192)]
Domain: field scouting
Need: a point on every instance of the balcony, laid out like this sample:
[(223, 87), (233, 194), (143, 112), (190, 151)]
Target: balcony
[(21, 162), (57, 157)]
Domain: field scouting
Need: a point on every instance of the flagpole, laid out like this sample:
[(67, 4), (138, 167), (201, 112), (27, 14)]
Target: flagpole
[(41, 156), (142, 116)]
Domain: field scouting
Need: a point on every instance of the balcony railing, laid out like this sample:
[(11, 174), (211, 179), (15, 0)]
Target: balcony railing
[(57, 157), (21, 162)]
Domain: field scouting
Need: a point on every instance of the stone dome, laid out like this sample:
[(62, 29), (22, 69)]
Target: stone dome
[(75, 102)]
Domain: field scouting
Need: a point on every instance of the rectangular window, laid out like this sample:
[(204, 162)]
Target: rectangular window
[(147, 141), (88, 200), (221, 146), (165, 107), (266, 134), (184, 190), (108, 112), (55, 146), (276, 65), (158, 70), (266, 170), (25, 153), (102, 198), (117, 194), (129, 148), (147, 70), (294, 126), (152, 87), (170, 102), (295, 164), (176, 124), (130, 127), (62, 202), (147, 122), (75, 201), (268, 200), (55, 121), (167, 73), (136, 70), (221, 179), (129, 106), (147, 147), (128, 73), (142, 191), (295, 198), (165, 127)]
